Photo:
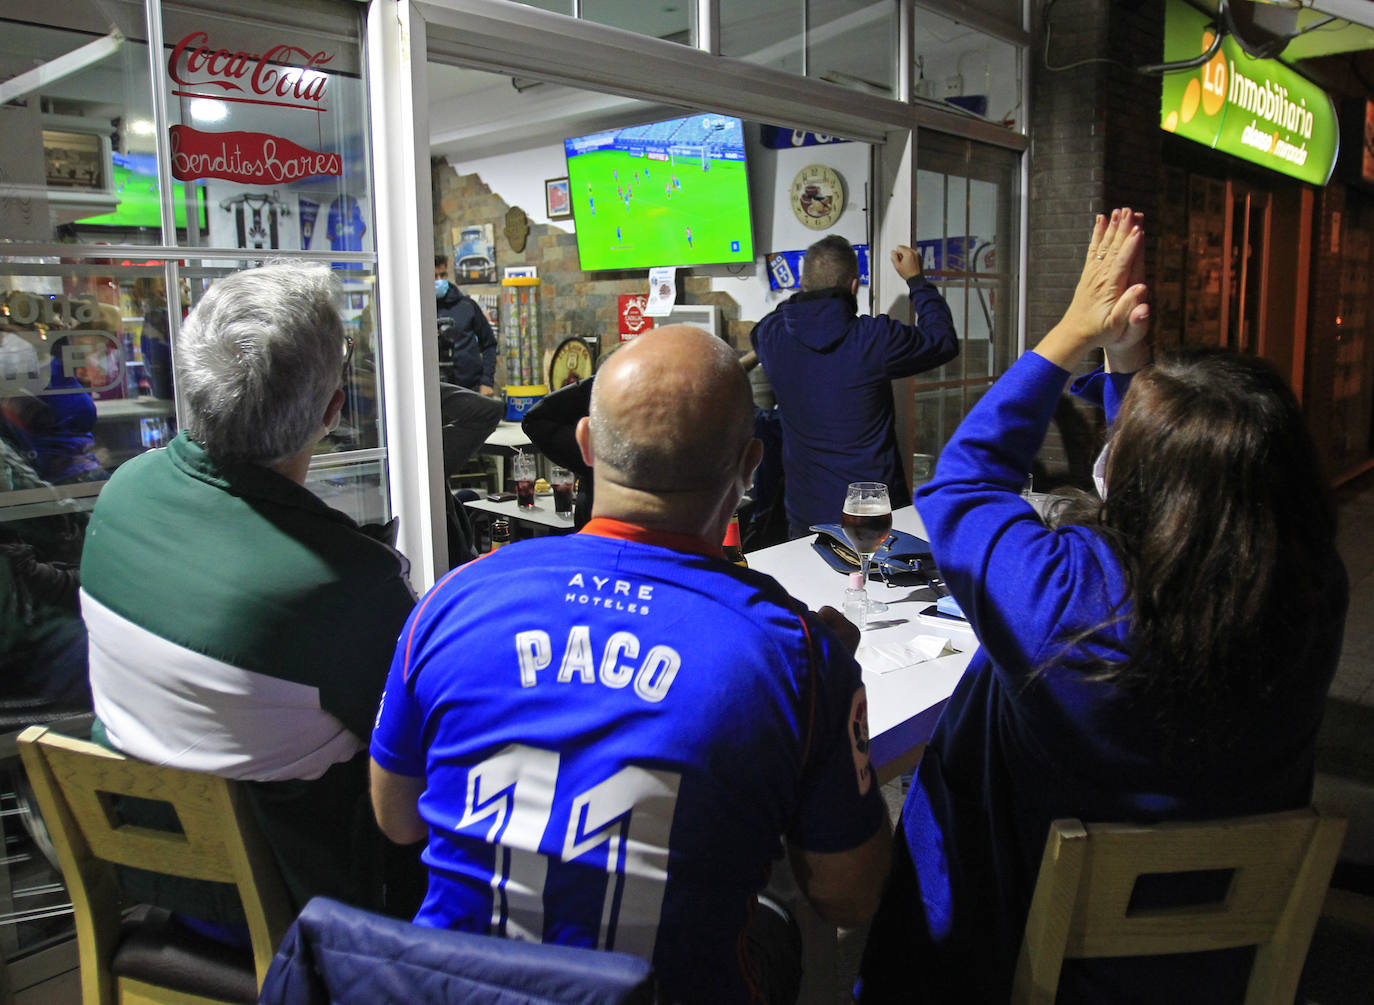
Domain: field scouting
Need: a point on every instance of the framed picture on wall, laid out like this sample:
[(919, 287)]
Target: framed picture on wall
[(557, 199)]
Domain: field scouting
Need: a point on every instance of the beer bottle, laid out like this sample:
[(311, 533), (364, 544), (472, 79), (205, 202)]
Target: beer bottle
[(731, 546), (500, 532)]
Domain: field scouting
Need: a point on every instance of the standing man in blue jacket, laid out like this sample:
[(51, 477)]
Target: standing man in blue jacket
[(467, 345), (832, 373)]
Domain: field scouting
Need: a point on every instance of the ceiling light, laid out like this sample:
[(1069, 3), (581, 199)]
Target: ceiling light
[(208, 110), (141, 127)]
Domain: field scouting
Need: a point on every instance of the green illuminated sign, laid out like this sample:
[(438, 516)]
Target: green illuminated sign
[(1255, 109)]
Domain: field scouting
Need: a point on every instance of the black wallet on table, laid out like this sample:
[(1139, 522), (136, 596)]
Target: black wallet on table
[(900, 553)]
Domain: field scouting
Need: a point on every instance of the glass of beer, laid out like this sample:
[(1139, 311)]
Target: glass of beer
[(867, 521), (561, 481), (523, 470)]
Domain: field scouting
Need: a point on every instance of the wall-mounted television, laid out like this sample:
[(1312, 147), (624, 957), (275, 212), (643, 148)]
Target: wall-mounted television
[(666, 193), (133, 181)]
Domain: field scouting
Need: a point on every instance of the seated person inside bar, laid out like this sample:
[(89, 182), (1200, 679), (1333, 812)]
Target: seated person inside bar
[(237, 624), (604, 736), (1161, 652)]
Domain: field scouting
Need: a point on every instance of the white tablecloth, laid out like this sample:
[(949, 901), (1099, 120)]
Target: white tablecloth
[(905, 696)]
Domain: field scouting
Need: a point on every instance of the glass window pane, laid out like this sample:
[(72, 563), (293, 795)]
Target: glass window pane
[(670, 20), (767, 32), (43, 654), (268, 111), (829, 39), (85, 366), (852, 44), (77, 118), (1004, 10), (967, 196), (557, 6), (358, 489), (939, 412), (968, 68)]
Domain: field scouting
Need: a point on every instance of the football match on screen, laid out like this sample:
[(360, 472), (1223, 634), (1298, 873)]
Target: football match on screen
[(666, 193)]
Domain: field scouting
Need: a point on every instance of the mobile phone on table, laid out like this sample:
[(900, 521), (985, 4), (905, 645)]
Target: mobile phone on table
[(932, 615)]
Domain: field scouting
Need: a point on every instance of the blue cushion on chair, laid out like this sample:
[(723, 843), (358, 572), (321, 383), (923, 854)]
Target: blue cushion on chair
[(334, 953)]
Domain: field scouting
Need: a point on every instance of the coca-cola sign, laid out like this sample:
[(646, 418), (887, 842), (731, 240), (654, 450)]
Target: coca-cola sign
[(284, 75)]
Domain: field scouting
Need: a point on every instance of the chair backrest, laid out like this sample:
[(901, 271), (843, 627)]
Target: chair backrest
[(1279, 867), (76, 783), (334, 952)]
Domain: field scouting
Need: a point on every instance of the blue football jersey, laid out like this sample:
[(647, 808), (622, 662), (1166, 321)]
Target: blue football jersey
[(345, 227), (615, 730)]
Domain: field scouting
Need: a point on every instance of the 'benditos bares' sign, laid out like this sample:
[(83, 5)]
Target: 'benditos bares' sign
[(1255, 109), (282, 76)]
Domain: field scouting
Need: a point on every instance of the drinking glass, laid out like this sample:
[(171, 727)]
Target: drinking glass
[(867, 521), (561, 481), (523, 470)]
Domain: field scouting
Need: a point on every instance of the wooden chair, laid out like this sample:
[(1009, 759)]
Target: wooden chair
[(1282, 864), (144, 956)]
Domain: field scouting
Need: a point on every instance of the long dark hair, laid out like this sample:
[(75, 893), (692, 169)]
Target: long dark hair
[(1222, 520)]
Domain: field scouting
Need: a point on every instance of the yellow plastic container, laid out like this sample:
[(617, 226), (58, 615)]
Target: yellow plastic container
[(520, 398)]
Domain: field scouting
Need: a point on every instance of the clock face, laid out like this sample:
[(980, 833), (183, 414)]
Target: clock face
[(817, 196)]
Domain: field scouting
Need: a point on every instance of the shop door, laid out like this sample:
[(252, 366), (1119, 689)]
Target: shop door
[(1246, 255)]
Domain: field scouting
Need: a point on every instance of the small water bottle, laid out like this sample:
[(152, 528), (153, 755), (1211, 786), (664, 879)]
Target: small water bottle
[(856, 601)]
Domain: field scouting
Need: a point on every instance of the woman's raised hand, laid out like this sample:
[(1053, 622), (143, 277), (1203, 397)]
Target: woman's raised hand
[(1109, 308)]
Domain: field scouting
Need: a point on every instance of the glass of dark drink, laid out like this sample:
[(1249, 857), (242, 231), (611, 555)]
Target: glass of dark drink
[(523, 470), (867, 521), (561, 481)]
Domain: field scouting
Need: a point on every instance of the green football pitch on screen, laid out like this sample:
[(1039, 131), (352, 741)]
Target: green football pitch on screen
[(634, 213)]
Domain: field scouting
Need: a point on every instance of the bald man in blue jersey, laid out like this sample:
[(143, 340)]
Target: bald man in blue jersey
[(606, 738)]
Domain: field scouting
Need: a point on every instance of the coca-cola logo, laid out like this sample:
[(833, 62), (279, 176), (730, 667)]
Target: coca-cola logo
[(282, 75)]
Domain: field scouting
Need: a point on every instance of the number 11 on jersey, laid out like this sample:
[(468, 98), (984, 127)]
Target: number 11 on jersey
[(620, 826)]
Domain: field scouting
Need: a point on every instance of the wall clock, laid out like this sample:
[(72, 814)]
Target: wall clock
[(817, 196)]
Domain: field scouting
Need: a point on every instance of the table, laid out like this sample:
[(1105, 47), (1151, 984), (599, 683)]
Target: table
[(904, 703), (541, 516)]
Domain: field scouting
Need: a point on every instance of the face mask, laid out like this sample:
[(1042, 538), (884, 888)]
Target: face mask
[(1100, 471), (440, 287)]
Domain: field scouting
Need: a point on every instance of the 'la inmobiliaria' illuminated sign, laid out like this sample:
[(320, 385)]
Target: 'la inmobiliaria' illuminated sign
[(1255, 109)]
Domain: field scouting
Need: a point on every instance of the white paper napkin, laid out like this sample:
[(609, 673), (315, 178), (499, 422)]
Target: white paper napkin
[(892, 656)]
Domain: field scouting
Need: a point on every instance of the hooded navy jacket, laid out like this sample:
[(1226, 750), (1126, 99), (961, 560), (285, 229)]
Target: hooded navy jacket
[(832, 373), (467, 345)]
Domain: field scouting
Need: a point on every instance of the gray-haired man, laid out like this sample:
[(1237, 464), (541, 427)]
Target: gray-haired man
[(238, 625)]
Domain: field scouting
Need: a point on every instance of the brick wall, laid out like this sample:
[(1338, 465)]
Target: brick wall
[(1325, 290), (1095, 144), (571, 302)]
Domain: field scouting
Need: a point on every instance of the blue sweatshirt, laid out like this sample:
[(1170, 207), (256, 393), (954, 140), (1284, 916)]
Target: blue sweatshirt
[(1013, 751)]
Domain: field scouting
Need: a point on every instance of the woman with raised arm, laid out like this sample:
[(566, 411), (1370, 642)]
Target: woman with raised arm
[(1160, 653)]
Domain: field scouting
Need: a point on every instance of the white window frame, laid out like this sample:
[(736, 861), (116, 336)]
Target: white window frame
[(512, 38)]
